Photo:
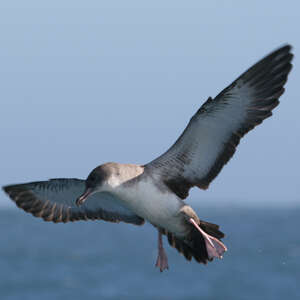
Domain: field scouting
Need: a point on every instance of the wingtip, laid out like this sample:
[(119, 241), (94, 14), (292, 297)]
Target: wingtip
[(286, 47), (6, 188), (284, 51)]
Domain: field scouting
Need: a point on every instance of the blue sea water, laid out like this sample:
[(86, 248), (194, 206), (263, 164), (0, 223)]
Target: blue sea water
[(98, 260)]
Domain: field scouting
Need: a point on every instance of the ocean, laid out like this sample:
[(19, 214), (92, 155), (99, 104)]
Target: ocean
[(99, 260)]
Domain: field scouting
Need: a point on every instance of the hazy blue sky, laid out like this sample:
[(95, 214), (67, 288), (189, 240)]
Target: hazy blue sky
[(85, 82)]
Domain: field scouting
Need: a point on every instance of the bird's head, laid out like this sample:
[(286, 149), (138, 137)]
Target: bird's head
[(97, 181)]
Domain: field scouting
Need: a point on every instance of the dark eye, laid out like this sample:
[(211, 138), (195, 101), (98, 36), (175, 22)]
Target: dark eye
[(92, 178)]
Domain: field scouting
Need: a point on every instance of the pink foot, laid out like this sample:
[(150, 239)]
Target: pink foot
[(214, 247), (162, 259)]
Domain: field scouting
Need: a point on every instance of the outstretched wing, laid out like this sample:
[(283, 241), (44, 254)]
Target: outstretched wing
[(213, 133), (54, 200)]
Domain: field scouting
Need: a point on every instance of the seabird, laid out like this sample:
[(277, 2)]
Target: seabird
[(154, 192)]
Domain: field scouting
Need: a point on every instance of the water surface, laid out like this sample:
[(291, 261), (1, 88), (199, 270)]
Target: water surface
[(98, 260)]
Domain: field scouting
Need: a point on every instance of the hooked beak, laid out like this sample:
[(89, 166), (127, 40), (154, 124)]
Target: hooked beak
[(80, 200)]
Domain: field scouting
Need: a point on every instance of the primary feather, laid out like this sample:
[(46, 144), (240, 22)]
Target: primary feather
[(54, 200), (212, 135)]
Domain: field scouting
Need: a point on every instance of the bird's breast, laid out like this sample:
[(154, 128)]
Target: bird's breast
[(159, 207)]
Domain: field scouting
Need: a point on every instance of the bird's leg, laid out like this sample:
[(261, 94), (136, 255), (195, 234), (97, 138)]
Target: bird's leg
[(214, 247), (162, 259)]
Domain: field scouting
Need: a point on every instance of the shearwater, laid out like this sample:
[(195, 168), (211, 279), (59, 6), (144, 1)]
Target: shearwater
[(154, 192)]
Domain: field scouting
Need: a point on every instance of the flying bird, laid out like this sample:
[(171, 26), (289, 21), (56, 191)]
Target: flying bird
[(155, 192)]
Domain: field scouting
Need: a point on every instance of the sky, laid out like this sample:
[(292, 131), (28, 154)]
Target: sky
[(86, 82)]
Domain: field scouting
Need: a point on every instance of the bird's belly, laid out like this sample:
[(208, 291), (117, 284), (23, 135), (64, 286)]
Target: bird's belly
[(159, 208)]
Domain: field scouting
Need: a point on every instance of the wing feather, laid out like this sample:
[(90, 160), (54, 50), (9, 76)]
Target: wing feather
[(54, 200), (213, 133)]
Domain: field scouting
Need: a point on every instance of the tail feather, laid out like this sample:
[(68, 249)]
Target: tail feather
[(212, 229), (193, 245)]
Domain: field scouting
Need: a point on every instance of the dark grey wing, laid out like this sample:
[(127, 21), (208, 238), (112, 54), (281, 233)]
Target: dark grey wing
[(213, 133), (54, 200)]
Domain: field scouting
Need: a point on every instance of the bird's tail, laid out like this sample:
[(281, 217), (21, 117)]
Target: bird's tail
[(196, 245)]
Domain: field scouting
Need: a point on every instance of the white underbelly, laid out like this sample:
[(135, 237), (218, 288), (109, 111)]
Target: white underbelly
[(159, 208)]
